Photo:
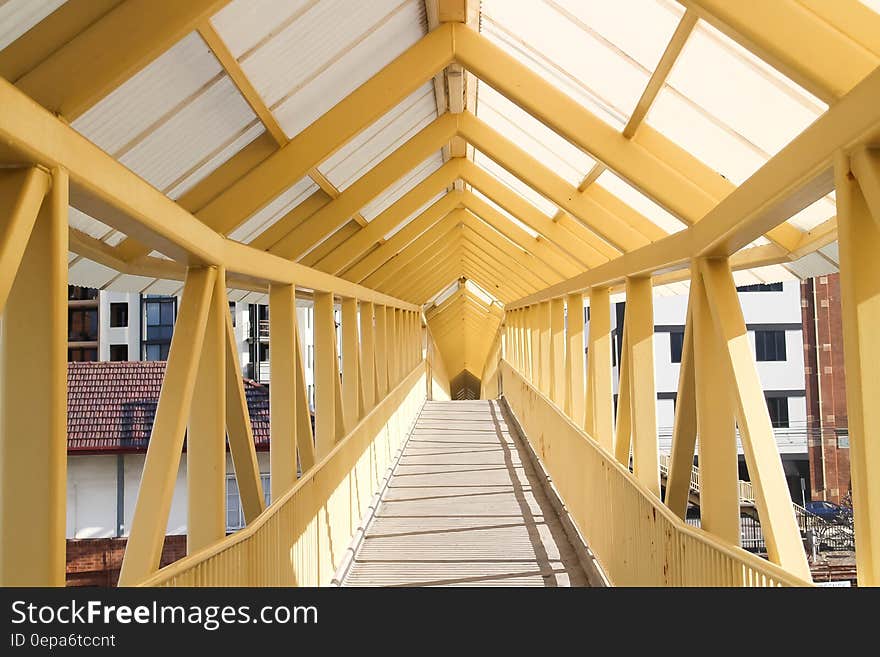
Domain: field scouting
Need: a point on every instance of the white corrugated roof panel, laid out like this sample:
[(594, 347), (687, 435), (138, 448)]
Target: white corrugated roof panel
[(274, 210), (814, 214), (89, 273), (18, 16), (245, 24), (812, 264), (389, 196), (376, 142), (91, 227), (639, 202), (528, 193), (163, 287), (130, 283), (509, 216), (415, 214), (328, 51)]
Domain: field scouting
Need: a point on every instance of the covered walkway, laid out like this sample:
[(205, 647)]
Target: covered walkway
[(464, 506)]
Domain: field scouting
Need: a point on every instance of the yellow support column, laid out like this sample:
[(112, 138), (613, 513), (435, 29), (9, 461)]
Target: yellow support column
[(382, 355), (623, 426), (305, 440), (858, 229), (33, 393), (545, 369), (574, 361), (772, 498), (150, 519), (684, 428), (282, 388), (599, 421), (326, 371), (352, 403), (719, 471), (206, 433), (643, 396), (368, 355), (557, 351)]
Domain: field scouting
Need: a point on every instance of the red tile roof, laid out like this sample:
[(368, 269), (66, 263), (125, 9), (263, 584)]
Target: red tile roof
[(111, 406)]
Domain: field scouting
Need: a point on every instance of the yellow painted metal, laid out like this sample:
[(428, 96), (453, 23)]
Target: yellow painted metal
[(623, 424), (96, 61), (792, 38), (33, 393), (859, 230), (326, 370), (635, 538), (305, 439), (206, 430), (352, 399), (599, 422), (719, 466), (544, 365), (283, 400), (21, 195), (297, 541), (684, 429), (239, 431), (368, 355), (147, 536), (557, 352), (382, 351), (772, 498), (643, 397)]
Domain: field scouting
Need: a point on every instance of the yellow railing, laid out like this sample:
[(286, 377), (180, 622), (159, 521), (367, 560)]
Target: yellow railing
[(746, 492), (636, 539), (302, 538)]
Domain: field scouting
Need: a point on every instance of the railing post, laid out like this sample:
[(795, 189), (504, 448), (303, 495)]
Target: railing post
[(33, 379), (368, 355), (282, 388), (326, 375), (575, 391), (643, 396), (858, 217), (206, 432), (719, 472), (556, 385), (599, 421), (352, 400), (545, 368), (382, 355)]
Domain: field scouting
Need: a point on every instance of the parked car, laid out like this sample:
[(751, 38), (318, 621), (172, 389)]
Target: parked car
[(829, 511)]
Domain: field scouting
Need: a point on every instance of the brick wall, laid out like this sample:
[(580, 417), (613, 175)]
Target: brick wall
[(96, 561), (827, 420)]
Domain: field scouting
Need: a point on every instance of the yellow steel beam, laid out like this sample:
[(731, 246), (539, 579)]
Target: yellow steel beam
[(21, 195), (853, 18), (305, 439), (859, 218), (600, 401), (557, 351), (326, 370), (147, 535), (206, 430), (290, 221), (97, 60), (383, 348), (283, 400), (368, 355), (793, 39), (623, 424), (575, 382), (352, 400), (772, 498), (33, 398), (330, 244), (501, 254)]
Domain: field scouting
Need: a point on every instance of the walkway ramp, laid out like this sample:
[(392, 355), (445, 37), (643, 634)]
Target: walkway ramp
[(465, 507)]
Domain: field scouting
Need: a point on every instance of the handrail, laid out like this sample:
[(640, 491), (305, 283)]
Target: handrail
[(287, 544), (637, 540)]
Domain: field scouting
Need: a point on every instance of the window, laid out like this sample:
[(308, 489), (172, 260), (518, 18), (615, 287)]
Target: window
[(234, 513), (676, 341), (842, 438), (82, 354), (77, 293), (82, 324), (118, 352), (118, 315), (232, 312), (761, 287), (310, 357), (264, 352), (159, 316), (156, 351), (778, 408), (770, 345)]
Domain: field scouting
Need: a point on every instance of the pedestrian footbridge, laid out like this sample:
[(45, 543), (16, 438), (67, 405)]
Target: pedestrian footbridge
[(452, 189)]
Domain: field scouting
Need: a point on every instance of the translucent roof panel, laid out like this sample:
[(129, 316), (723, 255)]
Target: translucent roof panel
[(600, 54), (518, 186), (729, 108), (372, 145), (18, 16), (476, 289), (410, 218), (389, 196), (504, 212), (328, 47), (539, 141), (639, 202), (272, 212), (814, 214), (175, 121)]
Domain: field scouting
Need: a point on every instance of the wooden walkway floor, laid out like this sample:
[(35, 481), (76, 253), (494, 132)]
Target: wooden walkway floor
[(464, 507)]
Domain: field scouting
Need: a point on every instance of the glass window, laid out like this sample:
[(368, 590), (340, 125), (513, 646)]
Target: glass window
[(159, 315), (118, 352), (82, 354), (156, 351), (770, 345), (778, 409), (77, 293), (234, 513), (232, 312), (676, 341), (118, 315), (82, 324), (760, 287)]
